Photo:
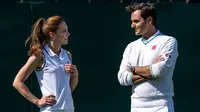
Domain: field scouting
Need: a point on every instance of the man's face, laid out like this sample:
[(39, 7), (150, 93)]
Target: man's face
[(138, 23)]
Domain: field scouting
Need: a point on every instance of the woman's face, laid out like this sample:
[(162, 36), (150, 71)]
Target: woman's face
[(62, 34)]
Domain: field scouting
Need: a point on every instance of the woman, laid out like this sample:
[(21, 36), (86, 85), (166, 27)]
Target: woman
[(56, 75)]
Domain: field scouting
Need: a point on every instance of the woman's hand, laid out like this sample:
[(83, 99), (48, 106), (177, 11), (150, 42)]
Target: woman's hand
[(72, 70), (46, 100)]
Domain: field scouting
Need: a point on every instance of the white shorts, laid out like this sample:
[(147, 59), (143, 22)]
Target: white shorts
[(154, 109)]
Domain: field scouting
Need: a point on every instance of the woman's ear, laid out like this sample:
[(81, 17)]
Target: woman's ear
[(51, 35)]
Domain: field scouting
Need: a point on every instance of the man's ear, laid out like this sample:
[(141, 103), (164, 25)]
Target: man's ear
[(150, 20)]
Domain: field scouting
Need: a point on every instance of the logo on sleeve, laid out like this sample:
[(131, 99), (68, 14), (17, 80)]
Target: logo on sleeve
[(167, 55)]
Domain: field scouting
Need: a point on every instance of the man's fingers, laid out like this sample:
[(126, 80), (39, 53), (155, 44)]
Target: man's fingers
[(161, 59)]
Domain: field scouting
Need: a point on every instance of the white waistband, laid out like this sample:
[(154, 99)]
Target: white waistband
[(151, 102)]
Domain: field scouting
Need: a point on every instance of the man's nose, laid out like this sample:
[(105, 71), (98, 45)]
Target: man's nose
[(132, 25)]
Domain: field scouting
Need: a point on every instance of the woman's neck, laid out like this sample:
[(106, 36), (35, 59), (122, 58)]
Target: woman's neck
[(55, 48)]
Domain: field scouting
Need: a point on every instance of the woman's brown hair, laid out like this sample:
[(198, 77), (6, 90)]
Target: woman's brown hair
[(40, 33)]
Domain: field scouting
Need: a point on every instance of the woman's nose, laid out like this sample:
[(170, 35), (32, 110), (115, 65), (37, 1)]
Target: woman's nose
[(67, 34)]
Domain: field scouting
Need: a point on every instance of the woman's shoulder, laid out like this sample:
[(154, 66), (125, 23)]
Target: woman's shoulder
[(68, 53)]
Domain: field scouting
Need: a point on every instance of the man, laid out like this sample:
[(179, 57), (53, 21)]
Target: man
[(148, 63)]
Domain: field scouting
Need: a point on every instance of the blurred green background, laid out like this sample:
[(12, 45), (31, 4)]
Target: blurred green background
[(99, 35)]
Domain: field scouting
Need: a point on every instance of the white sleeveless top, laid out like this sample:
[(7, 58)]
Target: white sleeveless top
[(53, 79)]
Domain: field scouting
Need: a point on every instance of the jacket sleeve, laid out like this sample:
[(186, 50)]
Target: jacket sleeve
[(169, 52), (125, 72)]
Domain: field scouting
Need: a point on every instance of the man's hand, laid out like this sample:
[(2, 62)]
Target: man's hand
[(142, 74)]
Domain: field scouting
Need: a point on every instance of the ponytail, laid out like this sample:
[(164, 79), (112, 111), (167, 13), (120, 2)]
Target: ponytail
[(37, 38)]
